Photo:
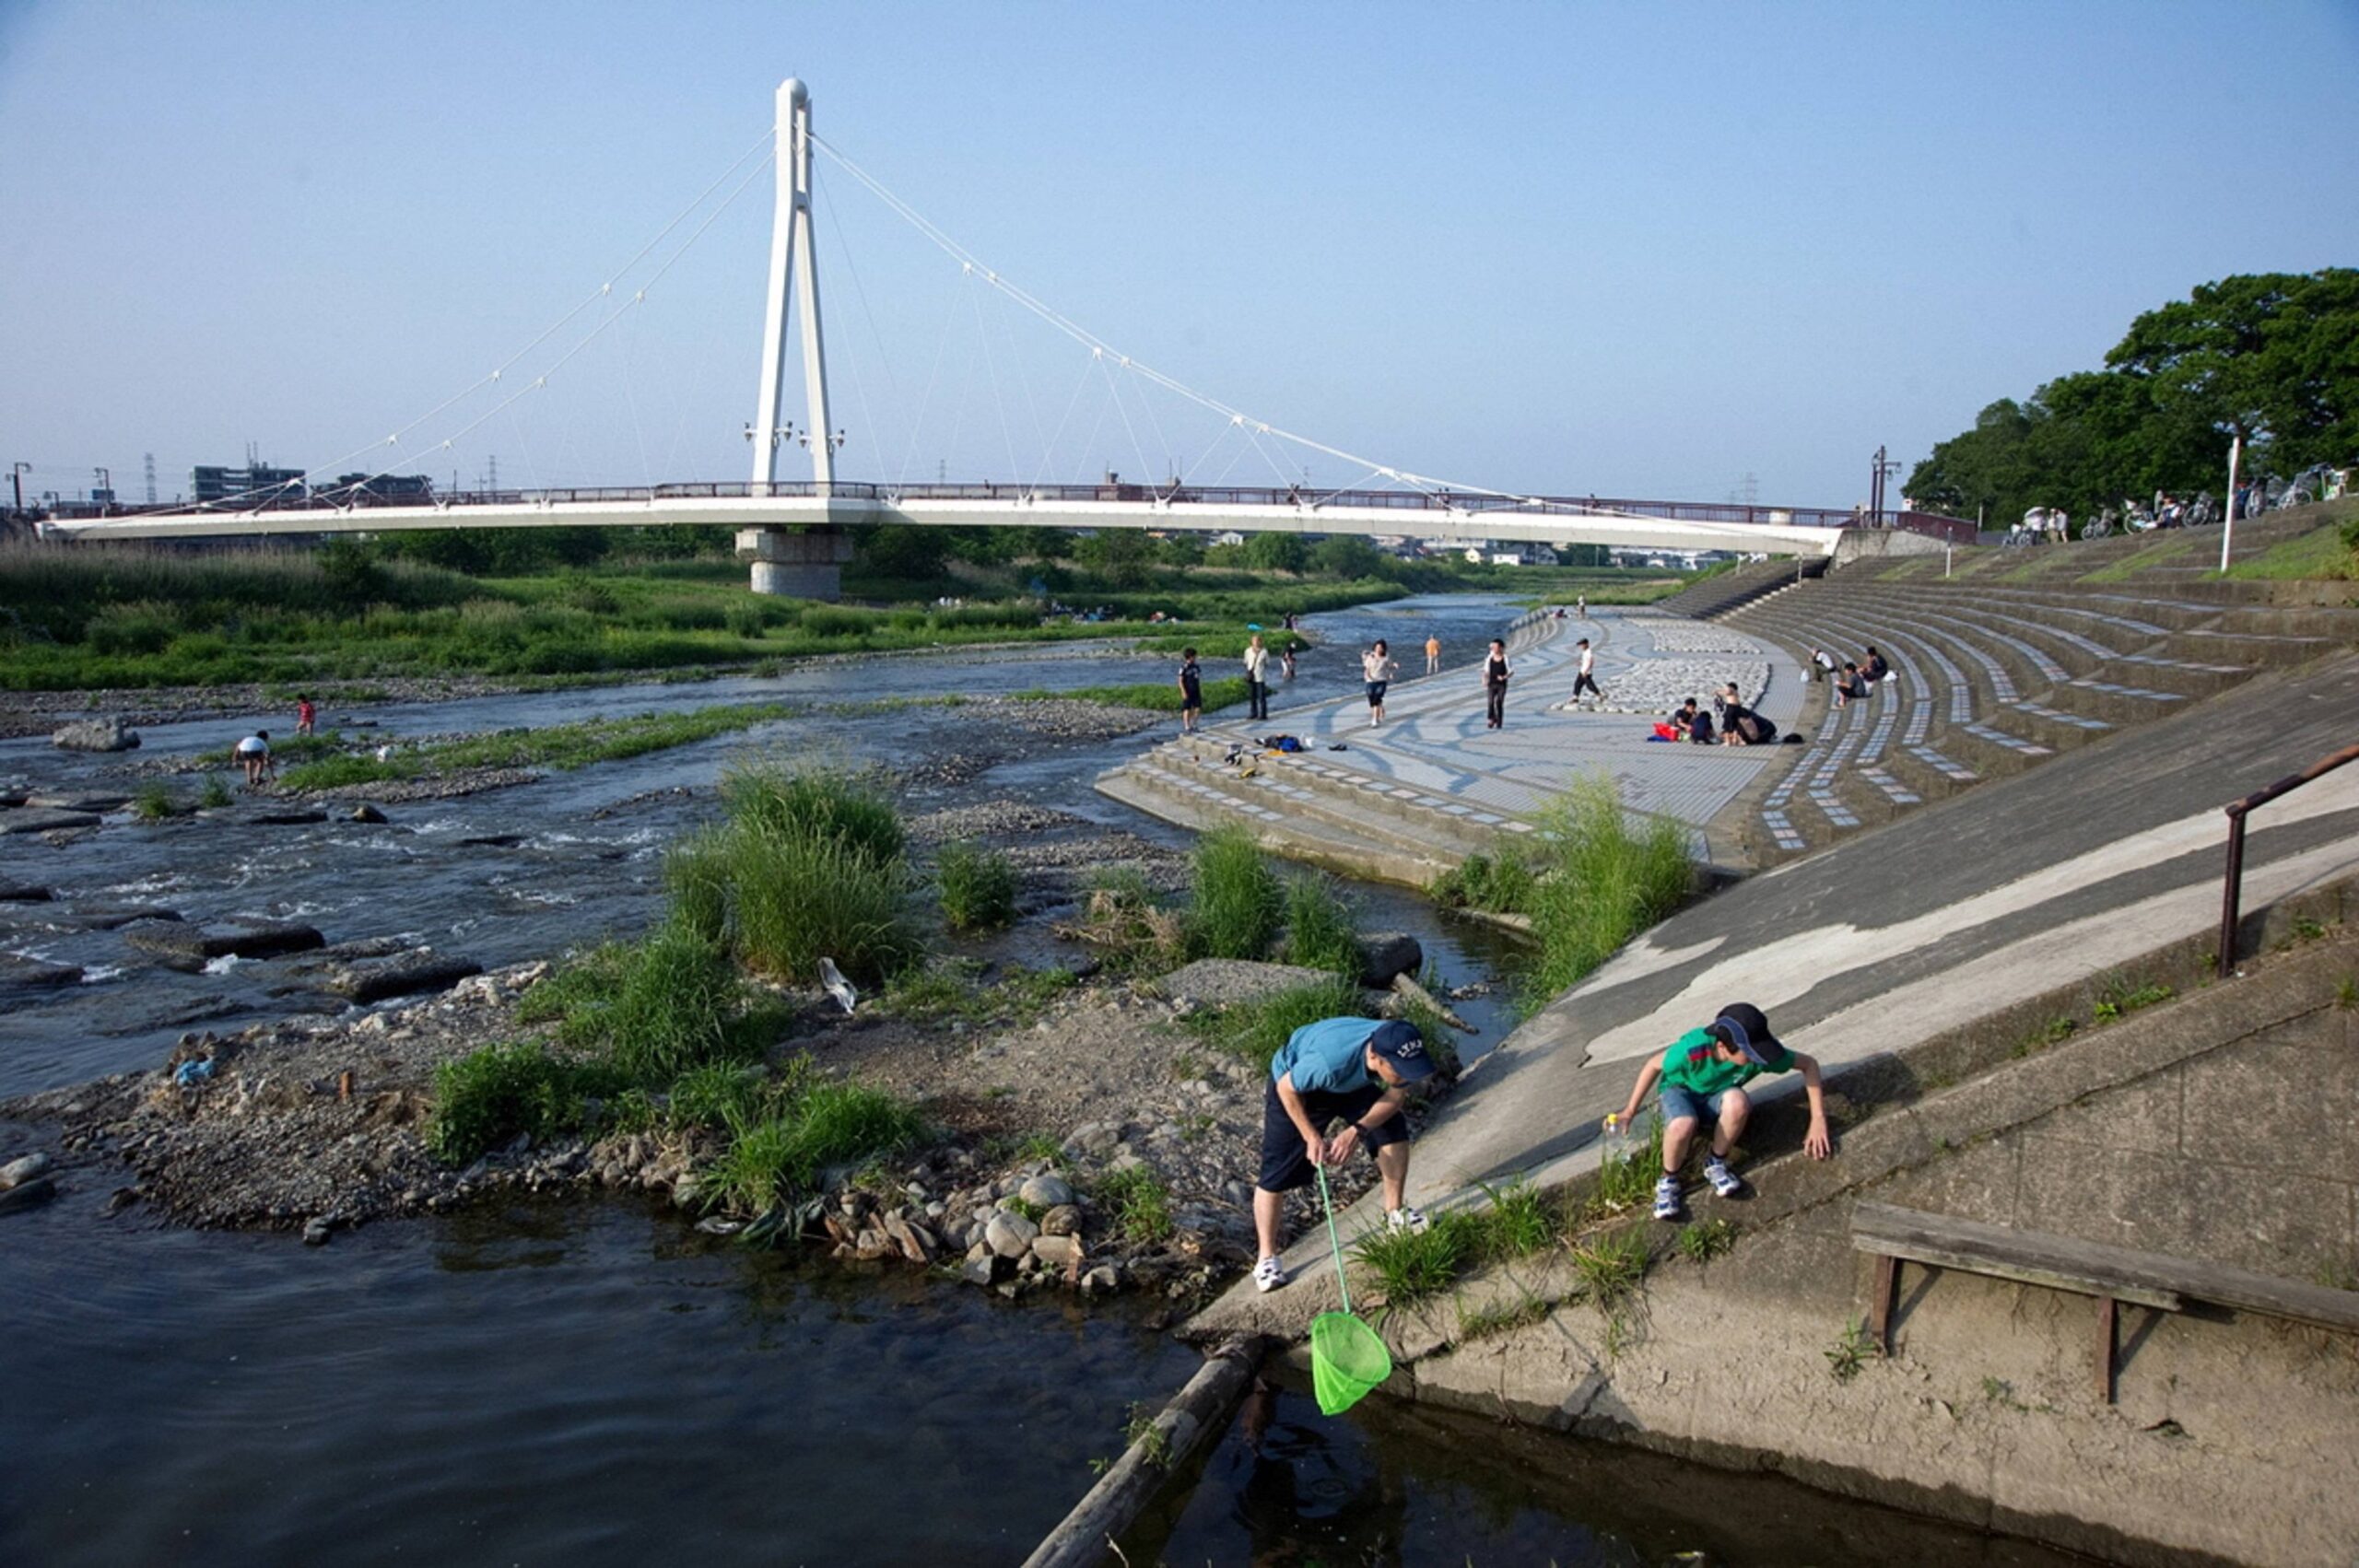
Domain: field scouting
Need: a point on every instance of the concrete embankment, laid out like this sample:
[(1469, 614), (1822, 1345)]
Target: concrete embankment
[(1934, 965)]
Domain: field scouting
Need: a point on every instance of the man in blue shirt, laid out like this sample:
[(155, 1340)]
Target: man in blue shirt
[(1351, 1069)]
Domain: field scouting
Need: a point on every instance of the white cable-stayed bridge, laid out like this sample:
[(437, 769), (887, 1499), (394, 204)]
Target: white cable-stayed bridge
[(792, 530)]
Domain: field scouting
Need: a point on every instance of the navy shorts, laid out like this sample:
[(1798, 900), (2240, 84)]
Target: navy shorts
[(1286, 1161), (1678, 1102), (1376, 693)]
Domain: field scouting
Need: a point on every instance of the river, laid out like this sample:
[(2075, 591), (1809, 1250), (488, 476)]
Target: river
[(592, 1382)]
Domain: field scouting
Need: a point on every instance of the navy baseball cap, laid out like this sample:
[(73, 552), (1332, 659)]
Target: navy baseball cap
[(1744, 1025), (1400, 1045)]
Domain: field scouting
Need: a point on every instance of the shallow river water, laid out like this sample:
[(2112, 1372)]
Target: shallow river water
[(593, 1382)]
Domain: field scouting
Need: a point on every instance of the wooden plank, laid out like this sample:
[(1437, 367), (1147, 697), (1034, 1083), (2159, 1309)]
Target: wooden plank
[(1880, 1311), (2144, 1279), (2106, 1342)]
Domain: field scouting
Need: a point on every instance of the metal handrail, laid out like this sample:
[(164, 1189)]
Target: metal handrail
[(2233, 886)]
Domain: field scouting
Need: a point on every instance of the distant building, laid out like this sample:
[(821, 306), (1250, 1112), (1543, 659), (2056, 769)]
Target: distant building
[(256, 484), (386, 489), (1231, 537)]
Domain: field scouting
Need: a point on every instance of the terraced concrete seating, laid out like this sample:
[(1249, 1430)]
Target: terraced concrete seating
[(1718, 596), (1990, 679)]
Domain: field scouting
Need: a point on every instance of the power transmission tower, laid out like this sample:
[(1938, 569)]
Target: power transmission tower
[(151, 478)]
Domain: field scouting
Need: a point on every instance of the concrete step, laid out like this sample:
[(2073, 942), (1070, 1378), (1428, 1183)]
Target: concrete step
[(1292, 791), (1369, 802), (1146, 786)]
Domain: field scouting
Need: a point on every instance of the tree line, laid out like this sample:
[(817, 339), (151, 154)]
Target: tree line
[(2272, 357)]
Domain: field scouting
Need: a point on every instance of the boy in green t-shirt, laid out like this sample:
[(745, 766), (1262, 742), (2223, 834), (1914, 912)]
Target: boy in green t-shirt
[(1703, 1077)]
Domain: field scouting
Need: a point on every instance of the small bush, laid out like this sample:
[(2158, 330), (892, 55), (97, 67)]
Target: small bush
[(1503, 886), (1412, 1265), (1139, 1204), (1321, 931), (154, 803), (718, 1095), (216, 794), (1238, 904), (814, 803), (1603, 882), (484, 1099), (794, 900), (657, 1008), (1611, 1266), (771, 1161), (978, 887)]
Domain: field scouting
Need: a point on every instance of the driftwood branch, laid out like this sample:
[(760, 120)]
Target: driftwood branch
[(1426, 999)]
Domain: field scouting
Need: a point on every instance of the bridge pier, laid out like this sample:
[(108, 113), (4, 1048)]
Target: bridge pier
[(805, 564)]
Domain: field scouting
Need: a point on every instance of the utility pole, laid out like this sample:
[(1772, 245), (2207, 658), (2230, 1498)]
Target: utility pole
[(17, 473), (1883, 468)]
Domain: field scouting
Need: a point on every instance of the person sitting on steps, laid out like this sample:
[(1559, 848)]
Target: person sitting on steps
[(1703, 1075)]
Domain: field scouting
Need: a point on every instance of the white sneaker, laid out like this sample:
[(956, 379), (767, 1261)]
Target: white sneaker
[(1404, 1219), (1269, 1274), (1725, 1182), (1667, 1205)]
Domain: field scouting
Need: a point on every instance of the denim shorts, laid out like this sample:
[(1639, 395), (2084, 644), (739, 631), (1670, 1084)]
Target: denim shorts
[(1678, 1102)]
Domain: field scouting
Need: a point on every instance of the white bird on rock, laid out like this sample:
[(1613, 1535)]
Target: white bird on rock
[(831, 980)]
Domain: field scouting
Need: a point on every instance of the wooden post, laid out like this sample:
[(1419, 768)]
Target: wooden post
[(1887, 1286), (1198, 1412), (2105, 1350)]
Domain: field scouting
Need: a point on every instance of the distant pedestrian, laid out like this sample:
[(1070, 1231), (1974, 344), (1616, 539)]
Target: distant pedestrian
[(1587, 680), (1433, 653), (1581, 605), (1256, 677), (1289, 662), (1495, 683), (254, 755), (1703, 1076), (1740, 726), (1822, 663), (1192, 692), (307, 714), (1378, 667)]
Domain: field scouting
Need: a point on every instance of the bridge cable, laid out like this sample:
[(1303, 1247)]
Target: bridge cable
[(1083, 335)]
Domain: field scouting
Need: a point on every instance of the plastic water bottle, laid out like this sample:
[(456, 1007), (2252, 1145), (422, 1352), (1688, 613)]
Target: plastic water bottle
[(1617, 1137)]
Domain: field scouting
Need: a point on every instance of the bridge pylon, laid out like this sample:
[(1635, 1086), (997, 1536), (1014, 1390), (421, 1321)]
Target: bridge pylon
[(808, 565)]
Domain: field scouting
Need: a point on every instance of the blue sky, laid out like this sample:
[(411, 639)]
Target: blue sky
[(1625, 250)]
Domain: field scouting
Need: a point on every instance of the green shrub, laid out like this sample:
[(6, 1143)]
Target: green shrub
[(484, 1099), (1521, 1221), (1412, 1265), (786, 801), (1321, 927), (1138, 1203), (1256, 1030), (1602, 882), (1238, 904), (1502, 885), (773, 1160), (154, 803), (796, 899), (653, 1009), (216, 794), (978, 887)]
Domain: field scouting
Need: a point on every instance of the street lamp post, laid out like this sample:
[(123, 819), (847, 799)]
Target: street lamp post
[(1883, 468), (17, 473)]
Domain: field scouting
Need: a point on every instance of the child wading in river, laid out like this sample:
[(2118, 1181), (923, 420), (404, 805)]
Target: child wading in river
[(1703, 1076)]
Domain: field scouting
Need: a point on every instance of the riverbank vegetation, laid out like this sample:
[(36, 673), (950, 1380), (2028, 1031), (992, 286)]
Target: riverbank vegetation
[(572, 604)]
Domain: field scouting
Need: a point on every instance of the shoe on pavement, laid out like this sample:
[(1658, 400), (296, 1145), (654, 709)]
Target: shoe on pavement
[(1269, 1274), (1404, 1219), (1725, 1182), (1667, 1205)]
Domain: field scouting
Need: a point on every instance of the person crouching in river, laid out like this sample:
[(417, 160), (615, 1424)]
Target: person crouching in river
[(1352, 1069)]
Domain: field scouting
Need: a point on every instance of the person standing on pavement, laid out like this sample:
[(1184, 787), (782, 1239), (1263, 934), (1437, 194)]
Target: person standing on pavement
[(1433, 653), (1256, 677), (1378, 667), (1494, 684), (1581, 605), (1587, 679)]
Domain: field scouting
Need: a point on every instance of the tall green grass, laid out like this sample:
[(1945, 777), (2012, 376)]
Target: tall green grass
[(1321, 930), (1238, 904), (976, 888), (776, 1157), (807, 865), (1601, 882)]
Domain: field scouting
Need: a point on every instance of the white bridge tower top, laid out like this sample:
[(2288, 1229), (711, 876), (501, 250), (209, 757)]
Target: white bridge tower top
[(794, 261)]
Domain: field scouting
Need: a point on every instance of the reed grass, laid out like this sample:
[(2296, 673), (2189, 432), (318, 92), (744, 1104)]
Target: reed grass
[(976, 888), (1321, 926), (1238, 903), (1601, 882)]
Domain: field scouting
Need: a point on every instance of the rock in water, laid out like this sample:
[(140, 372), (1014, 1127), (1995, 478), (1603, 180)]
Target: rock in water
[(17, 1172), (406, 976), (30, 1195), (24, 894), (317, 1229), (21, 974), (96, 735), (192, 947), (366, 813), (44, 819), (1386, 954)]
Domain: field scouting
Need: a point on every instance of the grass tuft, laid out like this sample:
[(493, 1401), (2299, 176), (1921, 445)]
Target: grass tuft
[(1612, 1265), (977, 887), (1603, 882), (1414, 1266), (1238, 903), (1138, 1202), (1321, 932), (484, 1099), (778, 1155)]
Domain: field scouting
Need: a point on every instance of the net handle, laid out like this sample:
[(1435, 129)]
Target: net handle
[(1333, 1241)]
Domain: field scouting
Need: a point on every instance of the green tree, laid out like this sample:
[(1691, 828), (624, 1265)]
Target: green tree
[(2273, 356), (902, 551), (1345, 555), (1118, 554), (1275, 552), (1183, 550)]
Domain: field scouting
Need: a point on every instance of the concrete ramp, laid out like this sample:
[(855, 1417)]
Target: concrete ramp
[(1952, 918)]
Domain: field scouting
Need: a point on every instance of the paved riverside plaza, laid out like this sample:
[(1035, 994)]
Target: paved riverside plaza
[(1433, 749)]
